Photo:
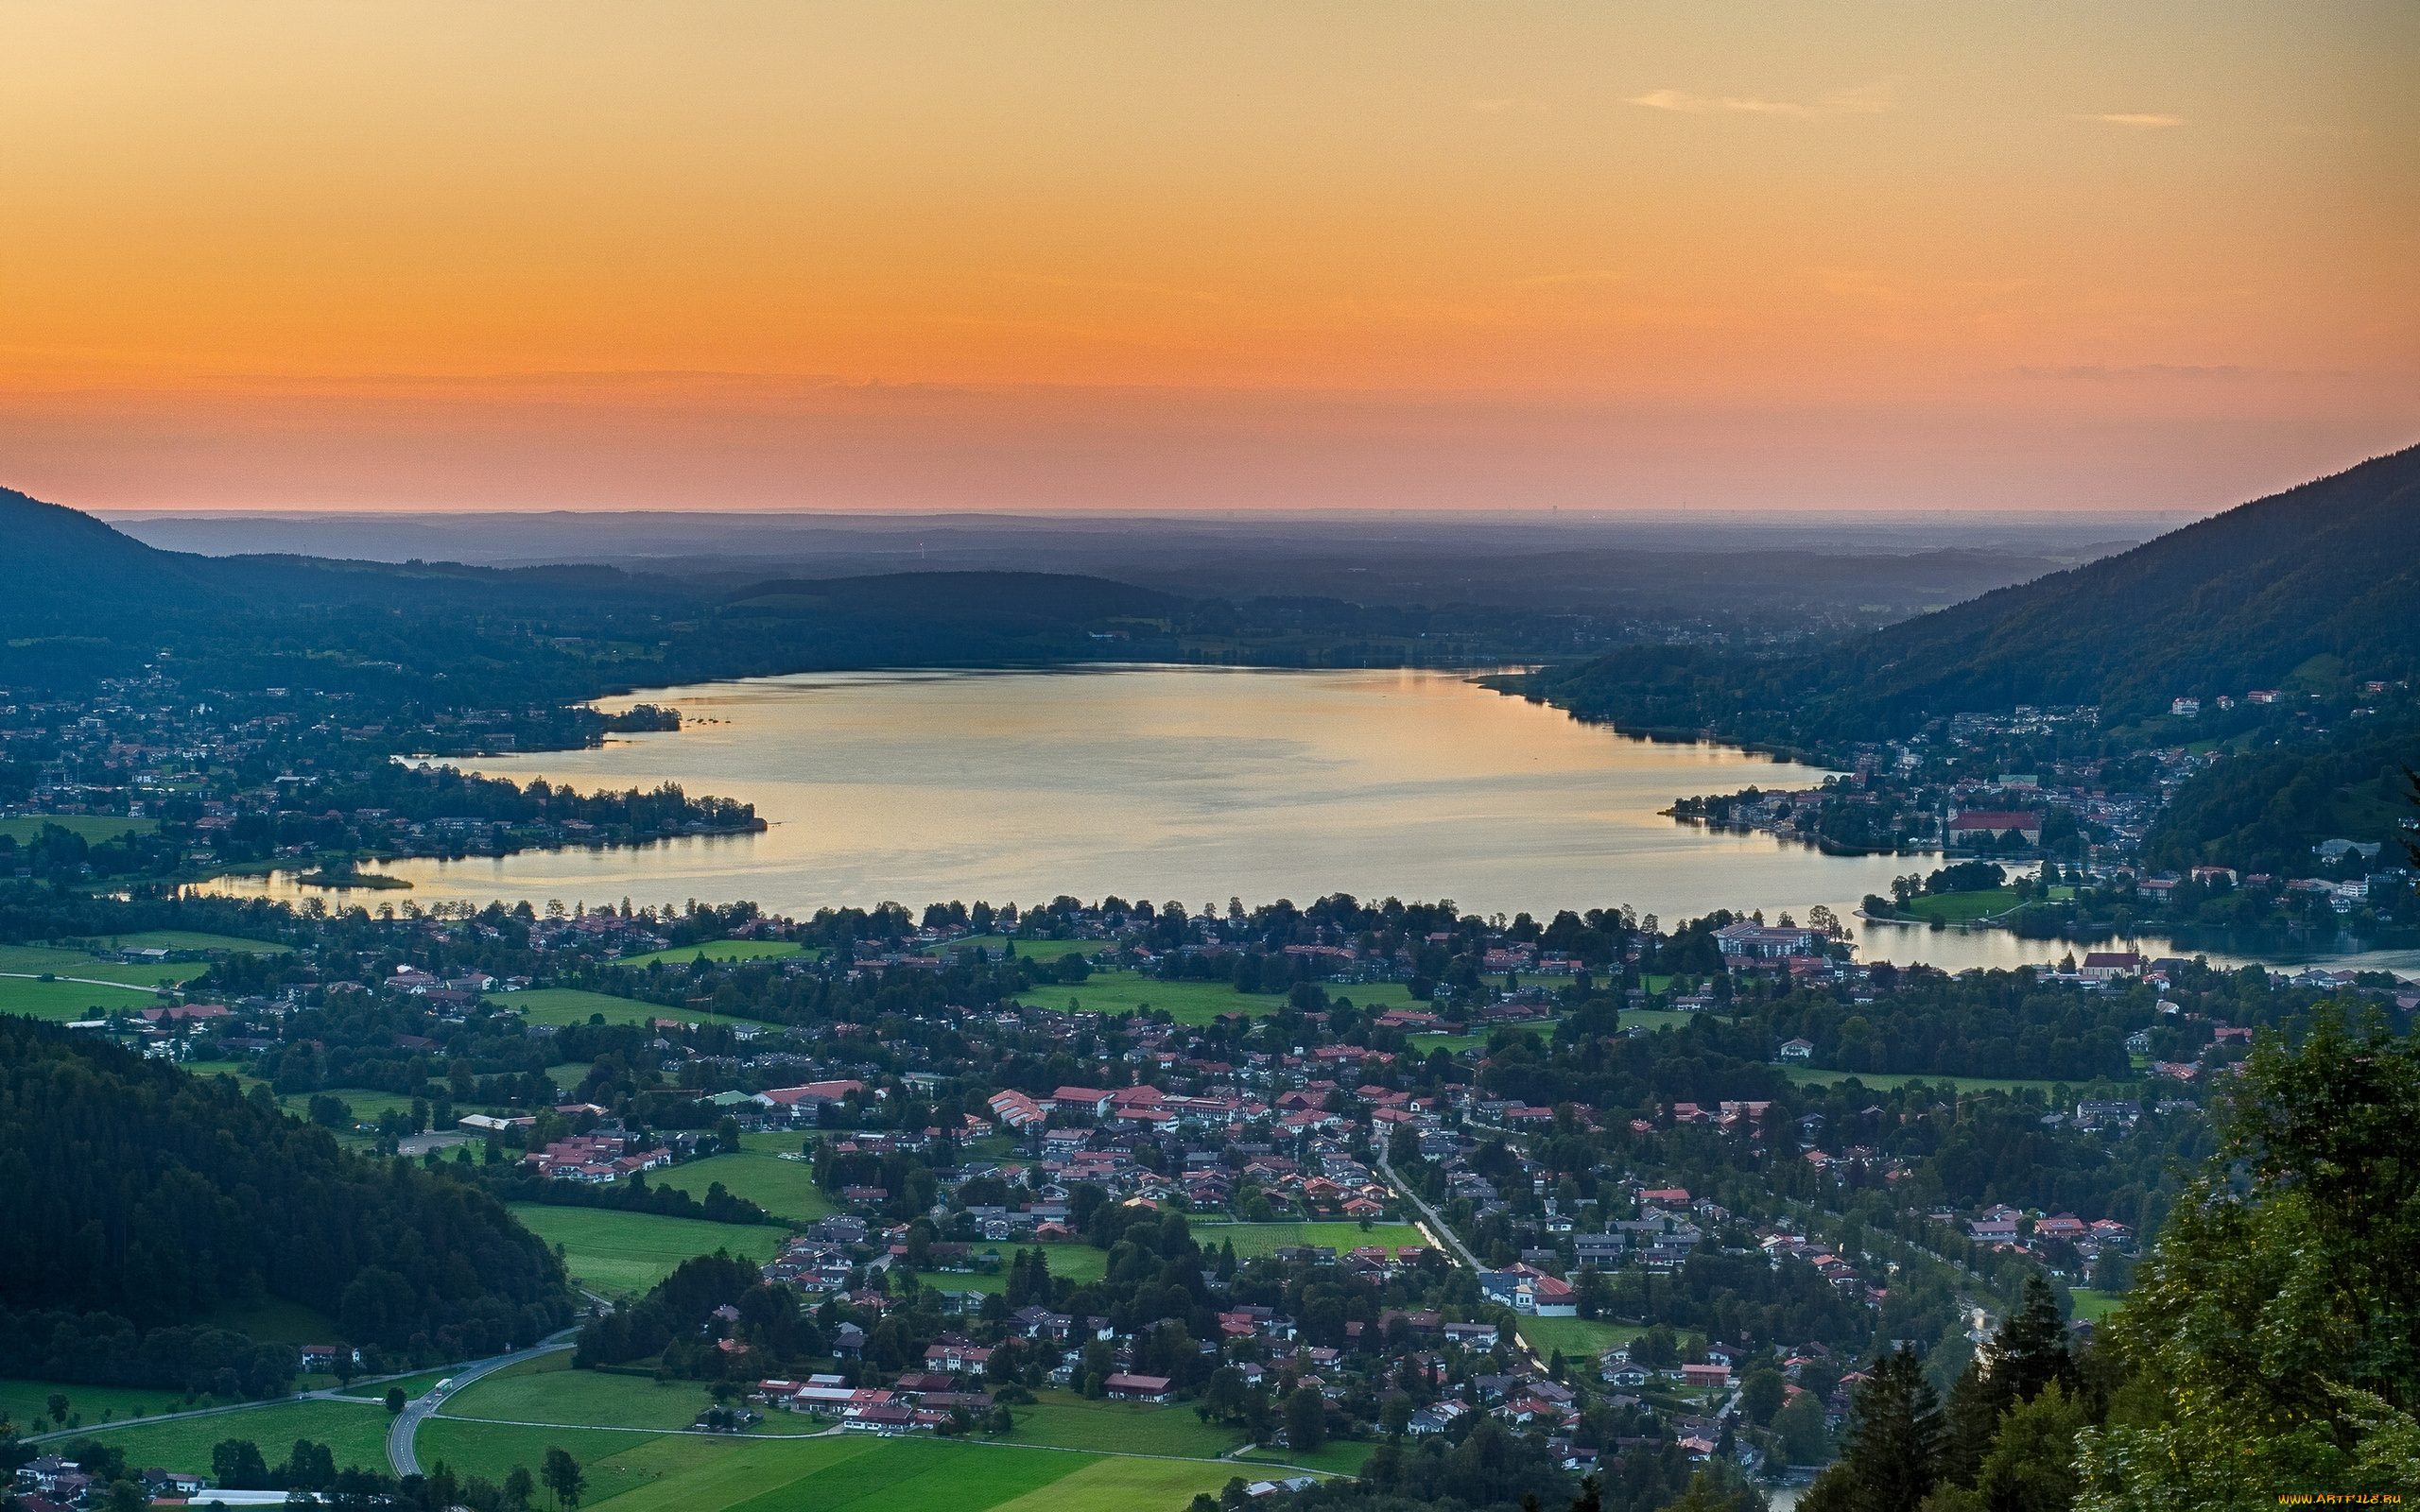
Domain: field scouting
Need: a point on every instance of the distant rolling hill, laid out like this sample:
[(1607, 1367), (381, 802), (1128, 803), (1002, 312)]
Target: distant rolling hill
[(85, 600), (2324, 576)]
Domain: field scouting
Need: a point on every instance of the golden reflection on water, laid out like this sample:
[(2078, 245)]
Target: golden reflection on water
[(1188, 783)]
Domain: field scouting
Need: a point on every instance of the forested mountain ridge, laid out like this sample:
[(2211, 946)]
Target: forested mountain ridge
[(2236, 601), (144, 1200), (2243, 600), (91, 602)]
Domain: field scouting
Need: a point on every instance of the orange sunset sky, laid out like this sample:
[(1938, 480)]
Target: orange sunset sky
[(1143, 256)]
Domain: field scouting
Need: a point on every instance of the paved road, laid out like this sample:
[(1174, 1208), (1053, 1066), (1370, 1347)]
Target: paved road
[(80, 981), (399, 1433), (324, 1394), (1438, 1229)]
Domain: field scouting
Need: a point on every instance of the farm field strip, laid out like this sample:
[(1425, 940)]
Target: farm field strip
[(723, 949), (1252, 1239), (79, 965), (356, 1432), (759, 1173), (632, 1251), (66, 1001)]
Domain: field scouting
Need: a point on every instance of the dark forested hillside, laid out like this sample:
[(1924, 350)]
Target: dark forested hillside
[(142, 1200), (2327, 573), (2236, 601), (407, 639)]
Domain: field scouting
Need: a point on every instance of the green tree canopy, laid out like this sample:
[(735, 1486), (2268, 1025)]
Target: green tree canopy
[(2275, 1326)]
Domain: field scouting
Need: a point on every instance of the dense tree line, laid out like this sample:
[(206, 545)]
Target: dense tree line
[(2270, 1350), (2262, 811), (144, 1199)]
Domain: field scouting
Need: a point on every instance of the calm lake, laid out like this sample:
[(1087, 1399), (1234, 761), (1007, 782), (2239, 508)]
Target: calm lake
[(1197, 784)]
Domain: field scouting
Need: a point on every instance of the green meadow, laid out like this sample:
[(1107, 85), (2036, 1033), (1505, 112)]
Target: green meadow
[(1344, 1456), (1195, 1003), (357, 1432), (1577, 1337), (66, 1001), (1032, 950), (186, 939), (723, 949), (67, 962), (758, 1172), (1660, 1019), (1061, 1419), (22, 1402), (629, 1252), (848, 1473), (1128, 1485), (1811, 1076), (1078, 1262), (492, 1449), (93, 828), (1252, 1239), (1962, 907), (548, 1390), (567, 1005)]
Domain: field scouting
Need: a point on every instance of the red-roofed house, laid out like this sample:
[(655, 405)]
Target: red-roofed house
[(1983, 824), (1081, 1100)]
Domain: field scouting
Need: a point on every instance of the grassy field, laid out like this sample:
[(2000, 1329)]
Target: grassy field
[(1252, 1239), (492, 1449), (566, 1005), (186, 939), (629, 1252), (1195, 1003), (367, 1104), (95, 827), (1453, 1044), (1077, 1262), (1343, 1457), (356, 1430), (1809, 1077), (63, 961), (22, 1402), (1575, 1337), (831, 1474), (723, 950), (640, 1471), (1661, 1019), (1032, 950), (1127, 1485), (547, 1389), (1062, 1420), (2096, 1305), (1962, 907), (786, 1188), (64, 1001)]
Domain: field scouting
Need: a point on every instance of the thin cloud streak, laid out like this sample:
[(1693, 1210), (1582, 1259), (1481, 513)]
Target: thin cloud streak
[(1871, 99), (2139, 121)]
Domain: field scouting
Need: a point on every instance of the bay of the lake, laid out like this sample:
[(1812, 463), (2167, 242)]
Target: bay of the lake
[(1196, 784)]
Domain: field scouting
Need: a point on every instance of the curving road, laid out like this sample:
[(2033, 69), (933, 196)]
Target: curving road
[(400, 1457), (1438, 1229)]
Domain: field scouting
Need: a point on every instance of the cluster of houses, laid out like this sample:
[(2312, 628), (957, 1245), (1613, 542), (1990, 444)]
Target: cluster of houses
[(2005, 1229), (922, 1399), (594, 1158), (50, 1484)]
